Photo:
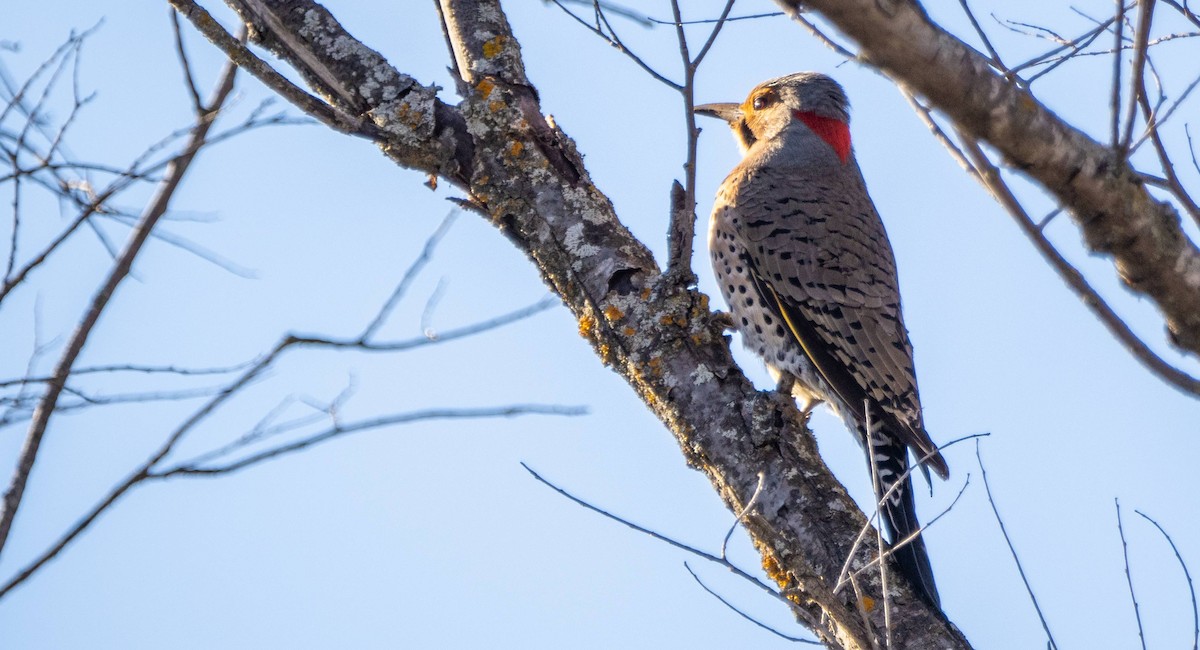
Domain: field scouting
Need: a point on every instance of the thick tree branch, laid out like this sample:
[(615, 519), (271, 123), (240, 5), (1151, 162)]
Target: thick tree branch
[(524, 173), (1105, 196)]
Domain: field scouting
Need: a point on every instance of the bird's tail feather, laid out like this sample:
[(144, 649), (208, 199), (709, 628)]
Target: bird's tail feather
[(899, 515)]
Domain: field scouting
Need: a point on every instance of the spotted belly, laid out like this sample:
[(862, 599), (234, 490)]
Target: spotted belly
[(763, 331)]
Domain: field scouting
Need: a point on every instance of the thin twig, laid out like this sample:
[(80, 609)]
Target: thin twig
[(339, 430), (154, 211), (660, 537), (744, 615), (987, 174), (1012, 549), (1137, 612), (615, 41), (1137, 87), (261, 70), (1115, 97), (983, 37), (741, 515), (1187, 575), (410, 275)]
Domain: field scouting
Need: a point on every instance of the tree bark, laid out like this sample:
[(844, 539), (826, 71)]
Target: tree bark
[(524, 174)]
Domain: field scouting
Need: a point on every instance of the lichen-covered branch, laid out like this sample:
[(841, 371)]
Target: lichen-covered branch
[(1105, 196), (522, 172)]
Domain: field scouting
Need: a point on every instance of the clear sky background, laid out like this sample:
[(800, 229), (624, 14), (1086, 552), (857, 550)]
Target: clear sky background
[(432, 535)]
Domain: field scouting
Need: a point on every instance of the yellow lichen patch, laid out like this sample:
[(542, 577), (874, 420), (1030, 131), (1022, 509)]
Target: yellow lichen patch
[(629, 331), (587, 326), (612, 313), (775, 572), (515, 149), (868, 603), (493, 46), (485, 88)]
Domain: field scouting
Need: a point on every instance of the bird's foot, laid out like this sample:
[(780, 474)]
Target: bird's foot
[(722, 320), (807, 409), (785, 384)]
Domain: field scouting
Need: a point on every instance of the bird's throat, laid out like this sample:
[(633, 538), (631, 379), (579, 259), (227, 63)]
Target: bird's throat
[(834, 132)]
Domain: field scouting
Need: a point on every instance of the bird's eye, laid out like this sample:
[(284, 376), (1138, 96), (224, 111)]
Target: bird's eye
[(761, 102)]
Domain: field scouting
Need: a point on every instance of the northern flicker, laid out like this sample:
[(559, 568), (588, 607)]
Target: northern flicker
[(806, 268)]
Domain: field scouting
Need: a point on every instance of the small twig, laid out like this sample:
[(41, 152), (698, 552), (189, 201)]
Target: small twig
[(989, 176), (741, 515), (1187, 575), (184, 62), (1012, 549), (987, 43), (744, 614), (1115, 97), (862, 532), (154, 211), (1137, 613), (615, 41), (659, 536), (709, 21), (795, 15), (410, 274), (339, 430), (261, 70), (1137, 89)]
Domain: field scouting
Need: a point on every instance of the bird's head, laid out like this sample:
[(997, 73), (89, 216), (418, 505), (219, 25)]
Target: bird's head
[(808, 98)]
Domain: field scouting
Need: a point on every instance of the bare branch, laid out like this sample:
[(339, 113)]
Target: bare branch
[(243, 57), (794, 639), (1012, 550), (1137, 86), (157, 207), (339, 430), (1186, 574), (410, 275), (987, 174), (1137, 612)]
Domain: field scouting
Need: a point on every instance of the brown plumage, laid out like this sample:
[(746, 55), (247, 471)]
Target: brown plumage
[(804, 262)]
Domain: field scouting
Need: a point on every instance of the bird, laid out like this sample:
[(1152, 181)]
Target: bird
[(804, 263)]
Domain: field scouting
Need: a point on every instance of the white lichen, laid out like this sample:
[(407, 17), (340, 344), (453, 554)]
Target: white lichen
[(575, 243)]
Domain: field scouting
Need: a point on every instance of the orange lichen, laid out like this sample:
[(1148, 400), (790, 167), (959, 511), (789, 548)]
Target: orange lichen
[(493, 46), (775, 572), (587, 326)]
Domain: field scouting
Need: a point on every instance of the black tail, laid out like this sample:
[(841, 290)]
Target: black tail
[(900, 515)]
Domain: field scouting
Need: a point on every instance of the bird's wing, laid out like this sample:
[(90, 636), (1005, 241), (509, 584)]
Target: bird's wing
[(825, 261)]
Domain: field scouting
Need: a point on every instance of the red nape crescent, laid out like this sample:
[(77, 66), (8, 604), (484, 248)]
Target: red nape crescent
[(834, 132)]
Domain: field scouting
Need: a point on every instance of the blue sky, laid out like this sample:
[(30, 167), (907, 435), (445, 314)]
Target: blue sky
[(432, 535)]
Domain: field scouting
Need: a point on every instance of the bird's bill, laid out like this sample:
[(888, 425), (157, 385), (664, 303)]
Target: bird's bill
[(726, 111)]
